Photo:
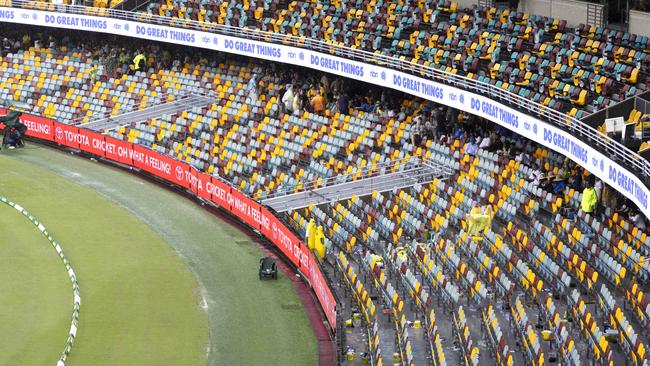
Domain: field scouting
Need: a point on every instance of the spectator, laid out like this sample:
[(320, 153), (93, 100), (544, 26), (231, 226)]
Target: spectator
[(626, 208), (598, 186), (6, 47), (471, 148), (637, 219), (27, 40), (535, 176), (561, 178), (518, 154), (318, 103), (485, 142), (342, 103), (287, 99), (416, 130), (429, 130), (401, 116), (297, 102), (252, 84), (575, 180), (589, 198)]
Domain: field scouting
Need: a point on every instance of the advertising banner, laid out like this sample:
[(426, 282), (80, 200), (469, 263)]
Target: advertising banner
[(160, 165), (220, 192), (67, 135), (245, 208), (284, 239), (38, 127), (118, 150), (322, 291), (92, 142)]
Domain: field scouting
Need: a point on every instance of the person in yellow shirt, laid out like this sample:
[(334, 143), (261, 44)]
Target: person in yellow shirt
[(589, 198), (139, 62)]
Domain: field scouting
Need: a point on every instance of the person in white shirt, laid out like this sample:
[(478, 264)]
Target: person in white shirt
[(297, 103), (637, 219), (485, 142), (598, 187), (287, 99), (535, 176), (416, 130)]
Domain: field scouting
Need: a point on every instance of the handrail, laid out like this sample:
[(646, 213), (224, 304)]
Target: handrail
[(72, 333), (603, 142), (369, 171), (127, 108)]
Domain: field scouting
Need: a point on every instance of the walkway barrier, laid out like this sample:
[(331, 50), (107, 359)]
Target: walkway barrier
[(202, 185), (72, 334), (606, 158)]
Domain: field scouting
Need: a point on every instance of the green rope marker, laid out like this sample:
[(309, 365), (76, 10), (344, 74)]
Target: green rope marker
[(76, 304)]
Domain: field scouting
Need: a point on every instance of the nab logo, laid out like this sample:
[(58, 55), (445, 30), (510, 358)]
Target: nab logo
[(301, 56), (602, 165), (383, 75), (535, 128), (59, 133), (179, 173), (461, 99), (374, 74), (215, 40), (126, 26), (206, 39), (35, 16), (292, 55)]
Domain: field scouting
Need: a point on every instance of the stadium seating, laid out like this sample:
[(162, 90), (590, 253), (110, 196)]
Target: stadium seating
[(573, 70), (253, 144)]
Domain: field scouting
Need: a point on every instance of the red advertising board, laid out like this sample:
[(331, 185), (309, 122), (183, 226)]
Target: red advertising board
[(67, 135), (219, 191), (92, 142), (201, 184), (285, 240), (160, 165), (322, 291), (38, 127), (245, 208), (118, 150), (194, 183)]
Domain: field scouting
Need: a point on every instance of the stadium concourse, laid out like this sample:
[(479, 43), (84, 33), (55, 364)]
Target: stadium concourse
[(545, 282)]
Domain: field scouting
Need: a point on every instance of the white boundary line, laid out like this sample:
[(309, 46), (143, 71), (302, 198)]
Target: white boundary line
[(73, 278)]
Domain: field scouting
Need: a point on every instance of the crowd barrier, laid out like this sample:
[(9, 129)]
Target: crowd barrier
[(202, 185), (73, 278), (584, 145)]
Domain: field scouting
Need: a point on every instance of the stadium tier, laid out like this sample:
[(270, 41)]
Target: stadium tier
[(574, 70), (539, 280)]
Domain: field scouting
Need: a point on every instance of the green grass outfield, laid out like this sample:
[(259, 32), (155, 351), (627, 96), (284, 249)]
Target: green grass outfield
[(162, 281), (35, 294)]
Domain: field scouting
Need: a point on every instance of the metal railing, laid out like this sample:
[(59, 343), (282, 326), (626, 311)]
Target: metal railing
[(624, 156), (370, 171), (132, 106)]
